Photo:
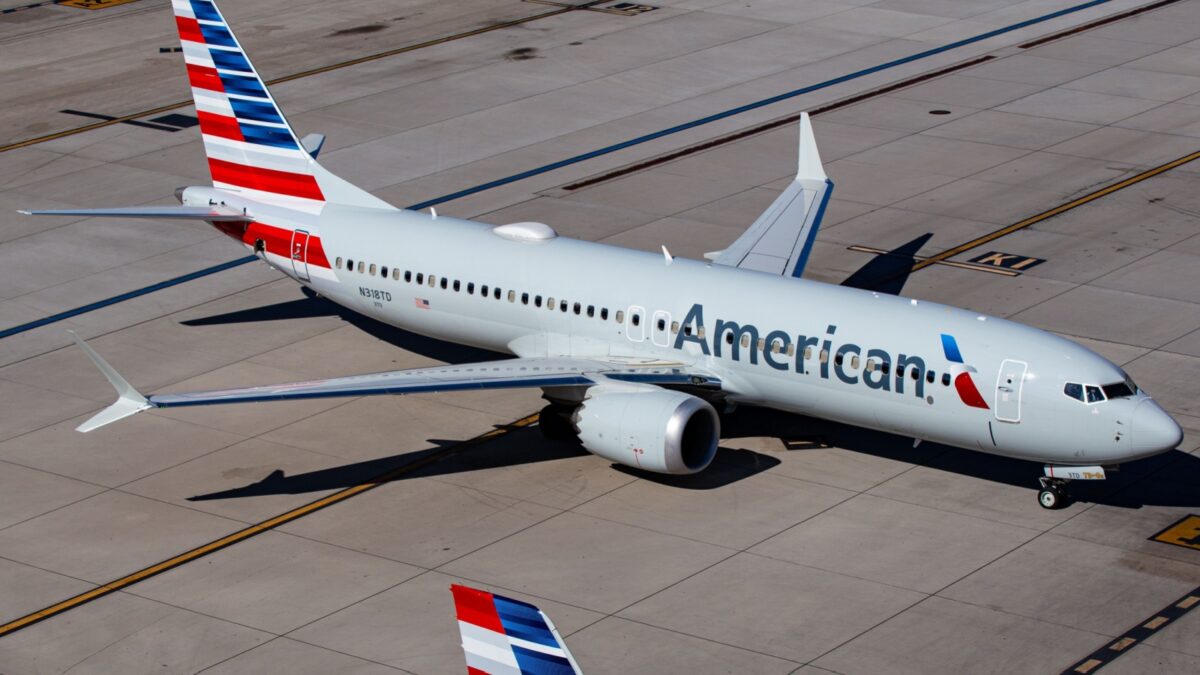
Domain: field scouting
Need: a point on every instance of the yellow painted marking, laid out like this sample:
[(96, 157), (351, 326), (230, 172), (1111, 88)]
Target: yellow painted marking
[(1088, 666), (1061, 208), (1185, 533), (1122, 644), (1155, 623), (294, 76), (93, 4), (258, 528), (949, 263), (1188, 602)]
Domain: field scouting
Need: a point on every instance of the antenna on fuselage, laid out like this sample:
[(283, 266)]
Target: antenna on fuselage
[(433, 212), (667, 255)]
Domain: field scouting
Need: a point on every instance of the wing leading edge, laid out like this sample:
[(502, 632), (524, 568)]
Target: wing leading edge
[(508, 374), (780, 241)]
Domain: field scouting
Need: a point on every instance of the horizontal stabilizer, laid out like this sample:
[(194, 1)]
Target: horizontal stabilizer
[(209, 213), (129, 401), (313, 143)]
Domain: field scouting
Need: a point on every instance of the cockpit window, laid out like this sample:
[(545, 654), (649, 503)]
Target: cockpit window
[(1094, 395), (1118, 390), (1074, 390)]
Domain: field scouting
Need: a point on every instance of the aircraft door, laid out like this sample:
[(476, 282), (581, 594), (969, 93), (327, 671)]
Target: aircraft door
[(660, 328), (300, 254), (635, 324), (1009, 383)]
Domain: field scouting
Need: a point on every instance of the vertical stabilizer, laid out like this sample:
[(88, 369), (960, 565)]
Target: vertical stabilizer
[(251, 148)]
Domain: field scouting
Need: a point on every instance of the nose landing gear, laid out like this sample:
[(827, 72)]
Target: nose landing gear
[(1053, 494)]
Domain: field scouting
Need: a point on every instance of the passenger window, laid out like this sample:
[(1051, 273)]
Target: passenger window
[(1074, 390), (457, 286), (577, 307), (945, 379), (396, 274), (636, 319), (729, 338), (407, 276), (854, 362), (1094, 395), (885, 367), (930, 377), (383, 271), (471, 288), (361, 265), (562, 304), (620, 316), (524, 298), (745, 341), (550, 303), (916, 373), (591, 311), (496, 293), (537, 301), (338, 262), (870, 366), (791, 350), (700, 332), (604, 314), (445, 283), (824, 357), (808, 352), (774, 346), (687, 330), (837, 359), (662, 324), (483, 290), (350, 265), (420, 278), (371, 269), (512, 296), (432, 280)]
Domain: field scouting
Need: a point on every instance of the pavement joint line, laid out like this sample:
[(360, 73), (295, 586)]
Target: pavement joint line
[(295, 76), (1057, 210), (260, 527), (528, 173), (1138, 634)]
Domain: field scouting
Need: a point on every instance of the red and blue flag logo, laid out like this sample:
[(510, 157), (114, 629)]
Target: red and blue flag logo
[(961, 373)]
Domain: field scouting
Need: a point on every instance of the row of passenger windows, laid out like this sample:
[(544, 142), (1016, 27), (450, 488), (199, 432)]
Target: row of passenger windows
[(485, 291), (635, 318)]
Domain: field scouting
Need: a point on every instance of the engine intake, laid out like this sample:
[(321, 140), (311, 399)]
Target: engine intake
[(649, 428)]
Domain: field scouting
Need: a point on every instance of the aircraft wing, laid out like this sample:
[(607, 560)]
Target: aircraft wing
[(502, 636), (506, 374), (780, 241)]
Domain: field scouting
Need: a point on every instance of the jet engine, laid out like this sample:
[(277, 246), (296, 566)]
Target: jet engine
[(649, 428)]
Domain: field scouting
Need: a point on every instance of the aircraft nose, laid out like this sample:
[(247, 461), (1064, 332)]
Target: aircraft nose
[(1154, 430)]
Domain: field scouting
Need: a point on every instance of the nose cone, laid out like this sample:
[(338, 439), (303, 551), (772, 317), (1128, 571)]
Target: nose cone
[(1154, 431)]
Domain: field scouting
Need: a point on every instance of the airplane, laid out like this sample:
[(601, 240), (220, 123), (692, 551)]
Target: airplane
[(502, 636), (635, 352)]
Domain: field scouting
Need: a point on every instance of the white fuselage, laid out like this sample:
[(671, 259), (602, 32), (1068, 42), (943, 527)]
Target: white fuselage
[(800, 346)]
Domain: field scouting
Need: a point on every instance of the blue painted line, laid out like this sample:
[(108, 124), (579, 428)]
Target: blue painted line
[(581, 158), (54, 318), (754, 106)]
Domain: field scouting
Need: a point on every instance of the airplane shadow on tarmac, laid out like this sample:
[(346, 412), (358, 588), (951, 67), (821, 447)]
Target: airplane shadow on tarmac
[(1170, 479)]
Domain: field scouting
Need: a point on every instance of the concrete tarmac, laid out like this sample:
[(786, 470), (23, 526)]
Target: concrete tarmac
[(807, 547)]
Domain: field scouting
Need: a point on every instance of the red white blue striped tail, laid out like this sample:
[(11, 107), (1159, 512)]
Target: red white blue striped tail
[(251, 148), (502, 636)]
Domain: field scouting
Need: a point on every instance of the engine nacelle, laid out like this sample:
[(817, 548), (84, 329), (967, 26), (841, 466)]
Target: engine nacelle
[(649, 428)]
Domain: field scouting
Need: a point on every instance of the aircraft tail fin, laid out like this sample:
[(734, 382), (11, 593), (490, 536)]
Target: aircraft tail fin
[(502, 636), (250, 145), (780, 241)]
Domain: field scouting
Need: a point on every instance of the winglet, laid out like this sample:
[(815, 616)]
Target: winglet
[(313, 144), (809, 161), (129, 401)]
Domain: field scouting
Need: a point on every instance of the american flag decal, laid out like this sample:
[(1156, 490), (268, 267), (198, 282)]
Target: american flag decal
[(421, 303)]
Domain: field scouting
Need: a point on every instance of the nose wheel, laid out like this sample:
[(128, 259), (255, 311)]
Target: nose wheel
[(1053, 494)]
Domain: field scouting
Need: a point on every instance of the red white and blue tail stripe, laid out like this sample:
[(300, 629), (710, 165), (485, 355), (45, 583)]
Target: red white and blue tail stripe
[(251, 148), (502, 636)]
